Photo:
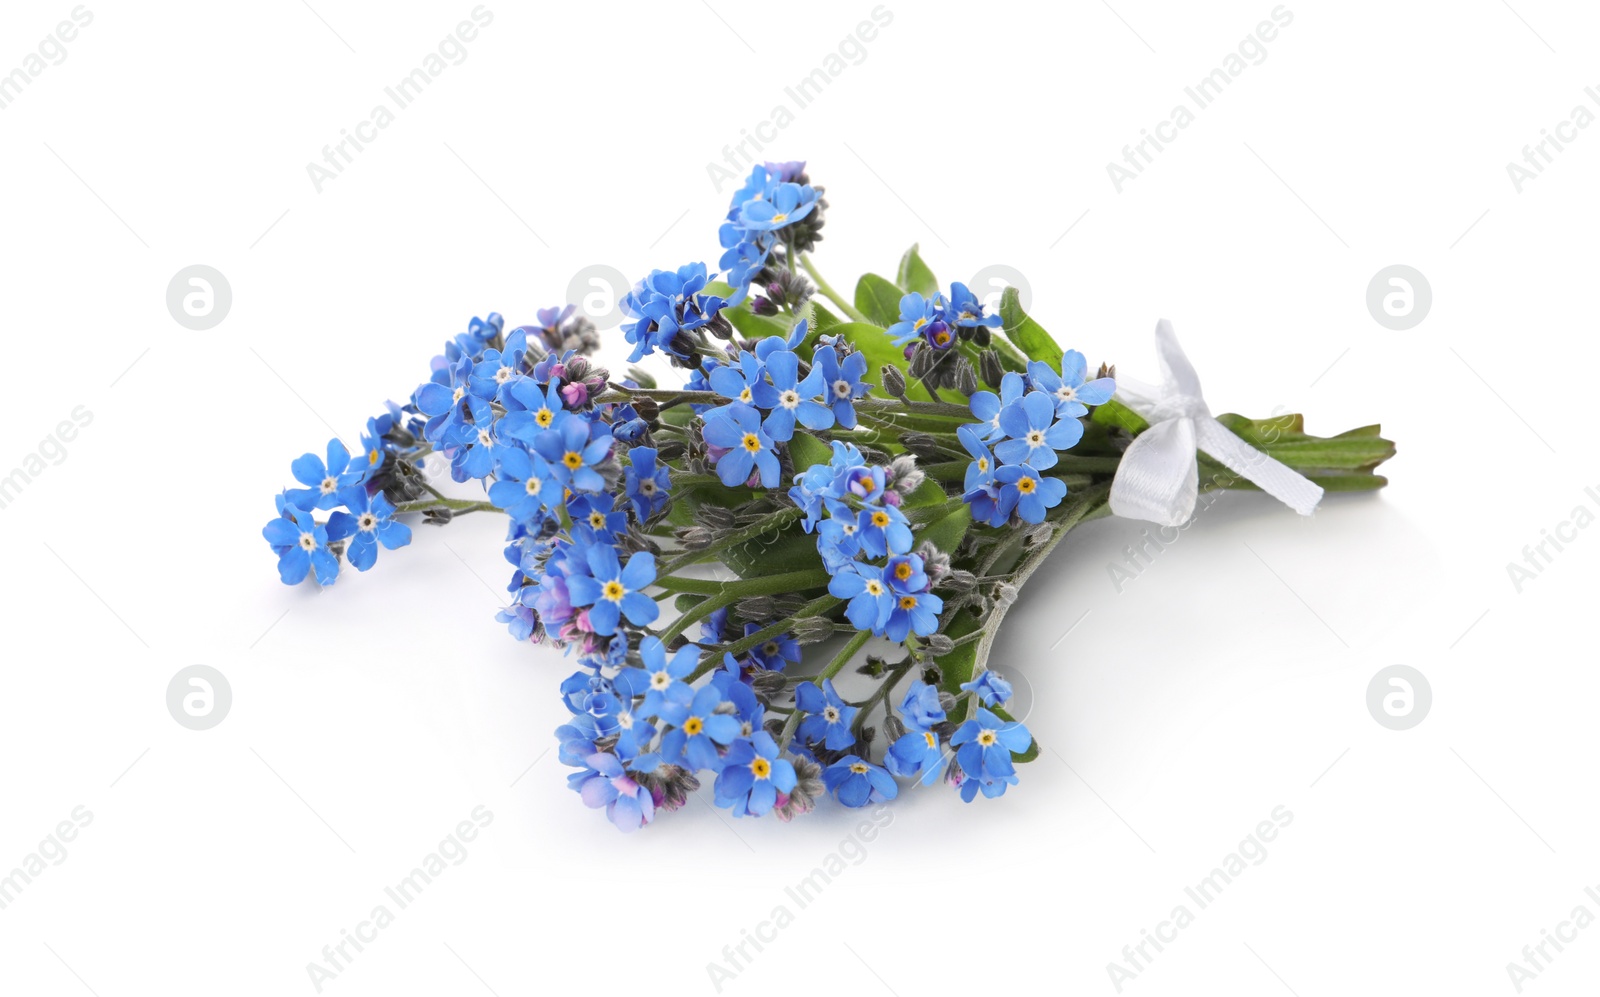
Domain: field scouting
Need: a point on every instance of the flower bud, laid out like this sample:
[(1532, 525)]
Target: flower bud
[(755, 609), (935, 562), (922, 445), (990, 369), (960, 581), (894, 382), (811, 629), (940, 645), (715, 517), (966, 378), (920, 362), (768, 685), (694, 537), (893, 728)]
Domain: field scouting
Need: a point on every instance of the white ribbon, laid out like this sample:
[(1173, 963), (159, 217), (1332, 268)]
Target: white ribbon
[(1158, 479)]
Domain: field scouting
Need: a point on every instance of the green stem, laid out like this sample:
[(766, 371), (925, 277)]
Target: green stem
[(1088, 505), (458, 506), (776, 521), (896, 673), (828, 291), (731, 592)]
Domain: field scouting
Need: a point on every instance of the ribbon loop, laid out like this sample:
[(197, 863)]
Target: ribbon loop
[(1158, 478)]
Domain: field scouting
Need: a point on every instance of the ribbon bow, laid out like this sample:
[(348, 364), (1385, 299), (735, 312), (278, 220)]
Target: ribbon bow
[(1158, 479)]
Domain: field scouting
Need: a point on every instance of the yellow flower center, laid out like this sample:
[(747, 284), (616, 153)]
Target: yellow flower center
[(373, 456), (751, 442), (760, 768), (780, 218), (942, 339), (544, 417), (880, 519), (572, 460), (614, 591), (596, 520), (745, 396), (859, 768), (1026, 485), (693, 726), (908, 602), (874, 587), (902, 570), (983, 463), (928, 736)]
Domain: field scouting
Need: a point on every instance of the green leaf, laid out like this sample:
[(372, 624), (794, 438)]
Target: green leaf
[(930, 492), (774, 553), (806, 450), (1114, 413), (1029, 335), (956, 667), (914, 275), (947, 532), (757, 326), (878, 299), (822, 319)]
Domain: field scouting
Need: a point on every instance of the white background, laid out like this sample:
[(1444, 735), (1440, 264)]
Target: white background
[(1227, 680)]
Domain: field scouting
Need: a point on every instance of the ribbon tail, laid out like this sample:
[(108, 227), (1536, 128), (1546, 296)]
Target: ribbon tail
[(1273, 477), (1158, 477)]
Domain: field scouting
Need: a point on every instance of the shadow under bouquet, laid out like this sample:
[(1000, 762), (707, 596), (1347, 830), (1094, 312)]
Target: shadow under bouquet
[(860, 482)]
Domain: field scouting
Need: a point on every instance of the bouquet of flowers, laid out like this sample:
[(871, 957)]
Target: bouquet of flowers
[(860, 483)]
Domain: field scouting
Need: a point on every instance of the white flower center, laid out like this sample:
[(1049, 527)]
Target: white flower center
[(647, 487), (830, 714), (1066, 393), (841, 389), (625, 721), (455, 396), (1036, 438), (502, 375), (532, 485), (308, 542), (660, 680), (483, 438), (789, 399), (368, 522), (328, 485)]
